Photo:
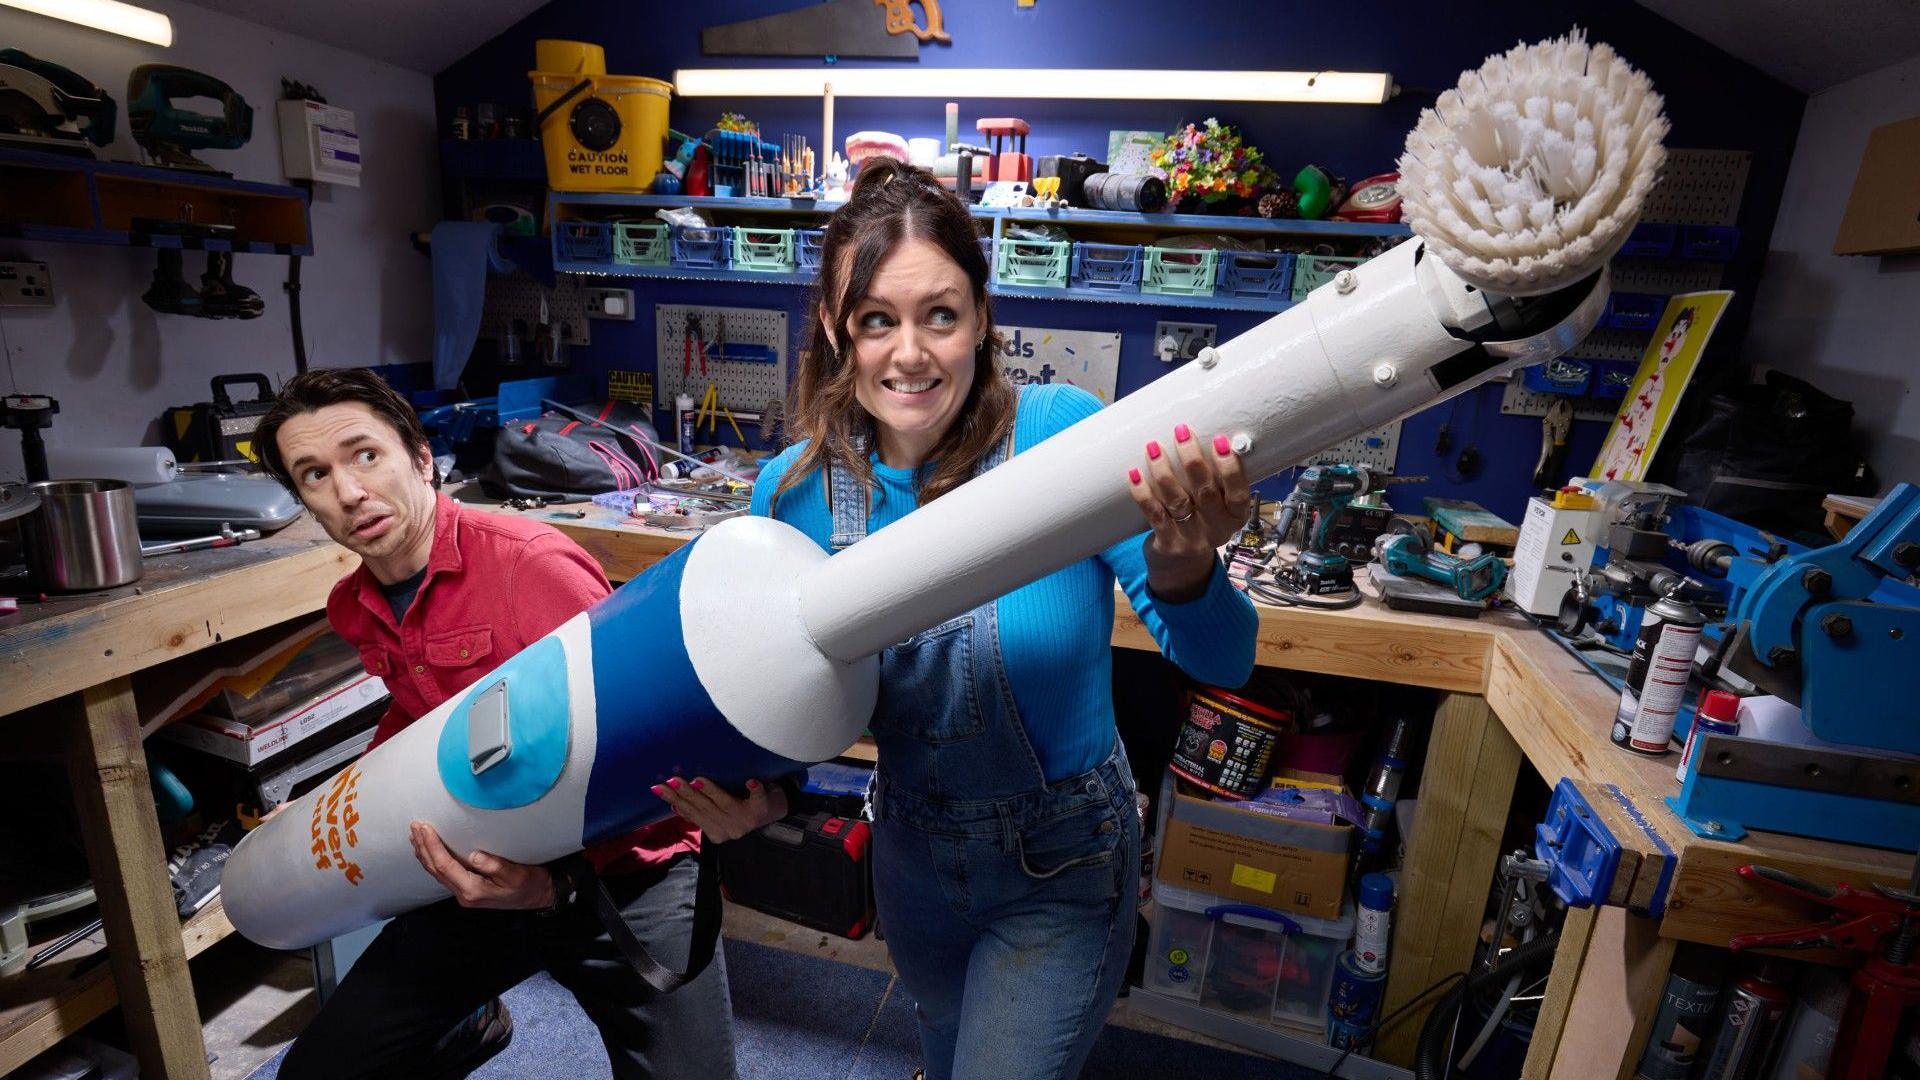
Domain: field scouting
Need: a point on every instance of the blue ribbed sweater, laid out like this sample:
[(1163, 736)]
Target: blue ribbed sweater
[(1055, 632)]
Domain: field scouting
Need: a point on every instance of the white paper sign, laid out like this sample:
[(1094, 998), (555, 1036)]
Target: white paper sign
[(1088, 359)]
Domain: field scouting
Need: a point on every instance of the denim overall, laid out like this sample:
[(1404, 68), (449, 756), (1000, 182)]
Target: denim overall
[(1007, 901)]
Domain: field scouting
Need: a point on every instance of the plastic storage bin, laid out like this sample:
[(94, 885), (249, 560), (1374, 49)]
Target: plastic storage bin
[(641, 243), (1613, 378), (702, 247), (1245, 961), (763, 251), (1650, 241), (1256, 275), (1179, 271), (1036, 264), (1635, 311), (586, 241), (807, 244), (1312, 271), (1716, 242), (1562, 375), (1107, 267)]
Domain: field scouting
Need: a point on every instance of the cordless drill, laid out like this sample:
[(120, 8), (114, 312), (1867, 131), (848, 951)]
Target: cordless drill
[(1320, 494)]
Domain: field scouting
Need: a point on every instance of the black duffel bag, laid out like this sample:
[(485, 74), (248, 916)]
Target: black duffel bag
[(560, 457)]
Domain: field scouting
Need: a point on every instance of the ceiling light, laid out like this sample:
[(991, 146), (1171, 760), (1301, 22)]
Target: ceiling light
[(1328, 87), (110, 15)]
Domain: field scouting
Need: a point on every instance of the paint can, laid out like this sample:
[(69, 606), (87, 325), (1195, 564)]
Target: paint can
[(1353, 1001), (1686, 1013), (1755, 1017), (1657, 676), (1226, 742)]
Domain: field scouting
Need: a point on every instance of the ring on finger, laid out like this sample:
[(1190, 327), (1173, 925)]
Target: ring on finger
[(1186, 517)]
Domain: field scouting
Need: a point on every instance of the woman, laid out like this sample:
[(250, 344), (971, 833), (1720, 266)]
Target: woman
[(1007, 845)]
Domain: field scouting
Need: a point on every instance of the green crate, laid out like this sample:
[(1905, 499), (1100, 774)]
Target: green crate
[(764, 251), (1038, 264), (1179, 271), (1312, 271), (640, 243)]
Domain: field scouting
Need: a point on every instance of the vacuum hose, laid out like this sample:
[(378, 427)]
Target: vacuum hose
[(1429, 1060)]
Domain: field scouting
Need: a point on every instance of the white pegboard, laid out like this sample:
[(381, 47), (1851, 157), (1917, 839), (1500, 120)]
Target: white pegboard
[(1378, 449), (1665, 276), (1700, 187), (742, 384), (1613, 345), (1517, 400), (517, 296)]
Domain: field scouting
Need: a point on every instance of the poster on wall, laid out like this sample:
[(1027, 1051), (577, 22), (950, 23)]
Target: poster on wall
[(1088, 359), (1665, 369)]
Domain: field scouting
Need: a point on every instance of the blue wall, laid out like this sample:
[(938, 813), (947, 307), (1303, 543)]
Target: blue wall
[(1713, 101)]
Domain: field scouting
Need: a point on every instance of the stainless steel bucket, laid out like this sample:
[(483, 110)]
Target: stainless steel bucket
[(85, 536)]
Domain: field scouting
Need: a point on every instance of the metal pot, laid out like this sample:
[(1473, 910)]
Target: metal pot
[(85, 536)]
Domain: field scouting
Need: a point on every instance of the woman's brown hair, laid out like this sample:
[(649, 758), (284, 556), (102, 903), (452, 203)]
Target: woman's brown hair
[(890, 202)]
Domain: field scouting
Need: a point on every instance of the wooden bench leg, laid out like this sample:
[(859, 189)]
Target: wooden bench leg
[(1608, 971), (1465, 792), (115, 801)]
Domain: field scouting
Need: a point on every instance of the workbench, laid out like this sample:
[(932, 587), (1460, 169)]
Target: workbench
[(1509, 694)]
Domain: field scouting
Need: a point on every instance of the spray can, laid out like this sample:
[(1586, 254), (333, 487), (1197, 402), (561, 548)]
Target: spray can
[(1383, 784), (1755, 1016), (1657, 676), (684, 412), (1353, 1003), (1375, 923), (1718, 714), (1687, 1005), (1816, 1020)]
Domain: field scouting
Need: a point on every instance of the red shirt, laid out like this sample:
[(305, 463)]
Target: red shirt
[(494, 585)]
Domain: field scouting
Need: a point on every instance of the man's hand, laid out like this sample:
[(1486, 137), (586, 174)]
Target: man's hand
[(483, 880), (718, 815)]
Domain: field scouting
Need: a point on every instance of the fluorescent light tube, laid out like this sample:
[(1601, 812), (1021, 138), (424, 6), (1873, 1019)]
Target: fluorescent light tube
[(1330, 87), (110, 15)]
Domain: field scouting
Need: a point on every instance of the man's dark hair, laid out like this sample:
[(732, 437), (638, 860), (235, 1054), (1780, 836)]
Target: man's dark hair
[(311, 391)]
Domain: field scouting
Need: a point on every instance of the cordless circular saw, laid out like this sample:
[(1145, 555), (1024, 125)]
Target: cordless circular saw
[(44, 106), (168, 133)]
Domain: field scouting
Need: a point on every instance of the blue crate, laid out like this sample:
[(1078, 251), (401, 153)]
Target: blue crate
[(1650, 241), (1635, 311), (1564, 375), (1106, 267), (702, 247), (986, 249), (1613, 378), (1256, 275), (1715, 242), (586, 241), (806, 247)]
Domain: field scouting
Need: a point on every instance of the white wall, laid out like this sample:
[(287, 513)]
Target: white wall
[(1848, 324), (367, 296)]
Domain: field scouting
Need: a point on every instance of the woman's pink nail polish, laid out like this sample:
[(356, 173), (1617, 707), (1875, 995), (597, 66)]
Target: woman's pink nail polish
[(753, 785), (1133, 475), (658, 790), (1153, 451), (674, 783), (1181, 433), (695, 785), (1221, 446)]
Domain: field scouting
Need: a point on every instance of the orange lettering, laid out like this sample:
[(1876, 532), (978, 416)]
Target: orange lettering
[(354, 875)]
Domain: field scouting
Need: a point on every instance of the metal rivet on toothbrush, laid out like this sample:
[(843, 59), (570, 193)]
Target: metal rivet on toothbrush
[(1208, 357), (1385, 375), (1345, 281), (1242, 442)]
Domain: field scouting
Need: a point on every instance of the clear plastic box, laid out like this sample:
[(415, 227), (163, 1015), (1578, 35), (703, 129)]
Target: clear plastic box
[(1248, 962)]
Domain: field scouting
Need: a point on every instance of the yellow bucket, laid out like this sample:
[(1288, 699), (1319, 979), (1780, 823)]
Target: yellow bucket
[(576, 57), (601, 132)]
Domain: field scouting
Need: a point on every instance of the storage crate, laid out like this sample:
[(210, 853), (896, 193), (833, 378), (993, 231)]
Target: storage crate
[(1179, 271), (586, 241), (807, 244), (1650, 241), (702, 247), (1036, 264), (1256, 275), (1244, 960), (1107, 267), (641, 243), (1716, 242), (763, 251), (1312, 271), (1562, 375), (986, 249), (1613, 378), (1635, 311)]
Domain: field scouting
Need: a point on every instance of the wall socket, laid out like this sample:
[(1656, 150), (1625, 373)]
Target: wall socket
[(25, 284), (1174, 342), (610, 304)]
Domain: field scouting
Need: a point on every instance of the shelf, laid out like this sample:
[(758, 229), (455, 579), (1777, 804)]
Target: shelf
[(40, 1008), (78, 200)]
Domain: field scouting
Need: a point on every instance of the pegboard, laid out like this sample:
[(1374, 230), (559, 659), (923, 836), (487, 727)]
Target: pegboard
[(1613, 345), (1699, 187), (517, 296), (1665, 276), (1377, 449), (743, 384), (1517, 400)]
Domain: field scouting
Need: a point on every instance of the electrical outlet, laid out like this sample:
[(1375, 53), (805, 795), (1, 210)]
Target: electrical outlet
[(1177, 341), (610, 304), (25, 284)]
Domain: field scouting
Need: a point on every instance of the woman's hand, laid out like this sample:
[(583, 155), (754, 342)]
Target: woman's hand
[(718, 815), (483, 880), (1195, 498)]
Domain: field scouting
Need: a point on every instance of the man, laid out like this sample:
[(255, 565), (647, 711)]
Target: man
[(442, 596)]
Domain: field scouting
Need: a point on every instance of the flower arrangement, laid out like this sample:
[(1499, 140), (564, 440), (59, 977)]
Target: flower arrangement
[(1210, 163), (730, 121)]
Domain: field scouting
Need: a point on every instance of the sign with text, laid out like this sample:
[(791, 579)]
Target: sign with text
[(1088, 359)]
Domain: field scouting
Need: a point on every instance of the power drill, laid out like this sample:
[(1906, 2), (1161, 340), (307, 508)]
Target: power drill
[(1411, 554), (1321, 493)]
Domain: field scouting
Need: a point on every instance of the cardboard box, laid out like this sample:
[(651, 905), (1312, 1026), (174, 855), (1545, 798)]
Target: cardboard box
[(1246, 855), (249, 745)]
